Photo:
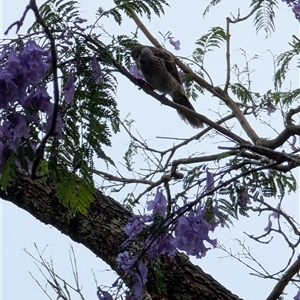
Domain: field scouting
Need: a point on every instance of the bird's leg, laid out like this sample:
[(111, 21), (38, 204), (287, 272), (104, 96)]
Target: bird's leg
[(143, 82)]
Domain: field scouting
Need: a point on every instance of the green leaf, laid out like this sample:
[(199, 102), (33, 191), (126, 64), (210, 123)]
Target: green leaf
[(213, 39), (283, 62), (264, 18), (211, 4), (9, 173), (74, 192)]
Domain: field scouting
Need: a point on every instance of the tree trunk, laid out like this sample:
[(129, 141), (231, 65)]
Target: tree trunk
[(101, 231)]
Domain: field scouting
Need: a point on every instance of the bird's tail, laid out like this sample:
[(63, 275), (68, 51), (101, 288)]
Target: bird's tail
[(181, 99)]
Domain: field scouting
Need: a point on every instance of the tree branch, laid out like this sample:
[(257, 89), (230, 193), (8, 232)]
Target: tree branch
[(282, 283), (101, 231)]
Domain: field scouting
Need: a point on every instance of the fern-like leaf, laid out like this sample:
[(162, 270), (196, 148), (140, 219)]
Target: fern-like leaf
[(264, 18), (207, 42), (211, 4), (283, 62)]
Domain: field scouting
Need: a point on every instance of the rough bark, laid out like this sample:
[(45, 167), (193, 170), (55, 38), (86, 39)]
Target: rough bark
[(101, 231)]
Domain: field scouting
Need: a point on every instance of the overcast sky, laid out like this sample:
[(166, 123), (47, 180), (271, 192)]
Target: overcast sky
[(20, 230)]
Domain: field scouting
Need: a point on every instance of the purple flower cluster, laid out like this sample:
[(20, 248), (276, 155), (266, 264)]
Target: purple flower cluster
[(191, 232), (295, 4), (187, 233), (19, 71), (22, 96), (158, 205), (136, 270)]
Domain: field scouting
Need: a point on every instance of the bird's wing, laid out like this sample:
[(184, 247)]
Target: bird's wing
[(169, 62)]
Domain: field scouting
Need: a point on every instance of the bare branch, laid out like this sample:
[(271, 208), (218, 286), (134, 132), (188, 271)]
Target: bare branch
[(282, 283)]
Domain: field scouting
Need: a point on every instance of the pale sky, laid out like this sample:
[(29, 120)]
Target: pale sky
[(20, 230)]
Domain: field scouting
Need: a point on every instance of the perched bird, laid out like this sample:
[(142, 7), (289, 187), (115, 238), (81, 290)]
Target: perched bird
[(159, 70)]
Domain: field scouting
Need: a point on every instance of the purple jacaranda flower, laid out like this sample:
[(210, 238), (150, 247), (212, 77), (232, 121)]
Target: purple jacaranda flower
[(69, 90), (31, 47), (162, 244), (143, 271), (21, 129), (187, 240), (134, 227), (140, 278), (210, 182), (297, 297), (20, 70), (13, 63), (147, 219), (103, 295), (40, 100), (296, 10), (126, 261), (32, 60), (139, 274), (176, 44), (137, 288), (159, 204), (96, 70), (135, 72), (289, 1), (191, 232), (8, 88), (295, 7), (243, 198), (275, 215), (271, 109), (293, 143), (167, 245)]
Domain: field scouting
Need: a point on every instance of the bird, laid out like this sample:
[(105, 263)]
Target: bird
[(159, 70)]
